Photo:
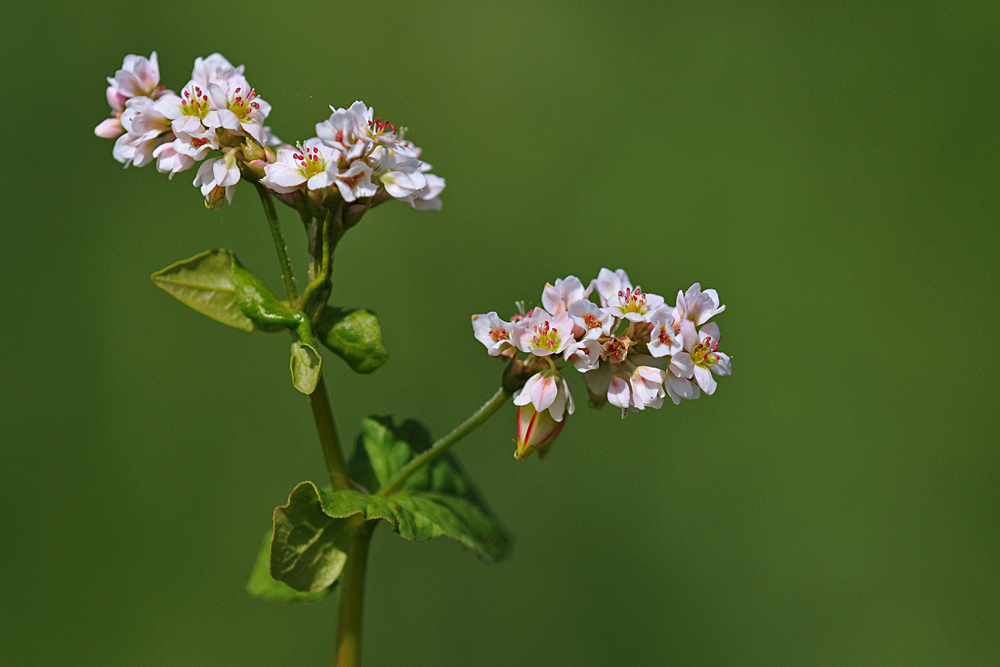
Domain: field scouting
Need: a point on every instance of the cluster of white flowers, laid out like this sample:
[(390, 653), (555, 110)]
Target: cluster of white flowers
[(218, 120), (633, 350)]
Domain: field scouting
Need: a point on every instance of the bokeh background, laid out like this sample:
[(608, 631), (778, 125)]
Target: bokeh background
[(830, 168)]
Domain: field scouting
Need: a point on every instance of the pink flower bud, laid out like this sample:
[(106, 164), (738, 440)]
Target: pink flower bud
[(535, 430)]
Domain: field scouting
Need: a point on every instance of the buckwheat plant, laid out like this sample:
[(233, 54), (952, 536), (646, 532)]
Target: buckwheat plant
[(631, 348)]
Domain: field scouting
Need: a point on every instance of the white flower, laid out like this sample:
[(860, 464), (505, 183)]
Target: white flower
[(428, 198), (492, 332), (143, 128), (557, 298), (701, 358), (342, 130), (633, 304), (585, 355), (593, 320), (218, 177), (696, 305), (212, 69), (313, 165), (547, 390), (355, 182), (647, 387), (542, 334), (187, 111), (196, 145), (139, 76), (609, 284), (400, 175), (237, 107), (168, 160), (663, 339)]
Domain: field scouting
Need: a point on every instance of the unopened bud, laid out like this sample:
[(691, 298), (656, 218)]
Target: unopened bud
[(215, 196), (253, 151), (535, 430)]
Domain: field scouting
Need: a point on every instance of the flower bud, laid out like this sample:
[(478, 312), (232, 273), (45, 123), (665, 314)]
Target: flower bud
[(215, 196), (253, 151), (535, 430)]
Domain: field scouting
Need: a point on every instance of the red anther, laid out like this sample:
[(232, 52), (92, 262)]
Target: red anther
[(238, 89)]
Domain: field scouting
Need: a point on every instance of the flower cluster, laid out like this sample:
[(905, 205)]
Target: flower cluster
[(218, 120), (632, 349)]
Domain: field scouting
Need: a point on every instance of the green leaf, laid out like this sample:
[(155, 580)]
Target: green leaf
[(205, 283), (354, 335), (257, 302), (438, 499), (306, 365), (266, 587), (309, 547)]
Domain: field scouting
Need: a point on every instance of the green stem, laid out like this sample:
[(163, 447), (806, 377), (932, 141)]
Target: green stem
[(323, 277), (327, 428), (444, 444), (279, 241), (352, 595)]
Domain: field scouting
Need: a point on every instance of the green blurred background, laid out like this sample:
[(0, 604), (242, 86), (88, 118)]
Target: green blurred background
[(831, 169)]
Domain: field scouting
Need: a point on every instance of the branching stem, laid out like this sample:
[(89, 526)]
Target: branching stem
[(444, 444)]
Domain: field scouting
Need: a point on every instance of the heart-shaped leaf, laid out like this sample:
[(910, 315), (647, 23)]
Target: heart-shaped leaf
[(266, 587), (205, 283), (309, 547)]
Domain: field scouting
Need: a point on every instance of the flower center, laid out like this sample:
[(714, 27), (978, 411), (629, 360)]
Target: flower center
[(615, 350), (546, 338), (310, 162), (194, 102), (703, 353), (665, 337), (498, 334), (379, 127), (244, 104), (633, 301), (591, 322)]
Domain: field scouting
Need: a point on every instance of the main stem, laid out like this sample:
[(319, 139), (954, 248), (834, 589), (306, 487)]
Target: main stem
[(352, 595), (445, 443), (327, 428)]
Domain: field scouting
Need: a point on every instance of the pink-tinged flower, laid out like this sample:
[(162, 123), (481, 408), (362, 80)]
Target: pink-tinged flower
[(109, 128), (701, 358), (116, 100), (188, 111), (557, 298), (216, 179), (143, 128), (679, 388), (696, 305), (343, 131), (585, 355), (168, 160), (547, 390), (237, 107), (620, 392), (633, 305), (542, 334), (492, 332), (647, 387), (663, 339), (608, 284), (212, 69), (594, 321), (139, 76), (312, 165), (535, 430)]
